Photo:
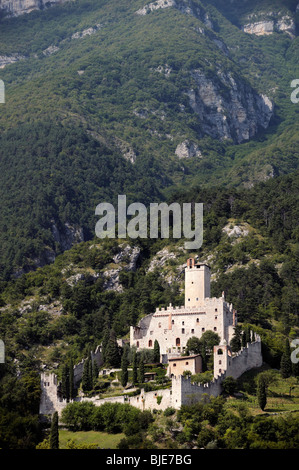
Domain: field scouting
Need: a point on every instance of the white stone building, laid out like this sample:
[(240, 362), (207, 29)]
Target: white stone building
[(172, 327)]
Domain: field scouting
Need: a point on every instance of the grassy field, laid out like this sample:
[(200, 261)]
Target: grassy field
[(101, 439), (282, 395)]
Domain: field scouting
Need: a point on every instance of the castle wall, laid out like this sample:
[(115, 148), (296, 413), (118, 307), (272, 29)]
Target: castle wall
[(78, 368), (236, 364)]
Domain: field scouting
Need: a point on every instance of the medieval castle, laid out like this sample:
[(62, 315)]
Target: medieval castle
[(172, 327)]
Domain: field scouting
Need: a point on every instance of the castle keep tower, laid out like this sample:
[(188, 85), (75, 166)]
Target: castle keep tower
[(197, 283), (173, 326)]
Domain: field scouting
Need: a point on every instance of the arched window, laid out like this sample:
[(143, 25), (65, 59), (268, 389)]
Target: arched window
[(150, 343), (178, 342), (219, 351), (137, 344)]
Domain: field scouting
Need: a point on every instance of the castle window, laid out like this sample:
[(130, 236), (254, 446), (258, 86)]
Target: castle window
[(203, 329), (183, 330), (187, 363), (196, 298), (220, 371), (188, 300), (216, 317), (151, 332), (219, 362), (219, 351), (192, 331), (216, 310), (215, 328), (197, 320), (174, 365), (183, 323), (172, 321), (159, 325), (150, 343), (178, 342), (137, 344)]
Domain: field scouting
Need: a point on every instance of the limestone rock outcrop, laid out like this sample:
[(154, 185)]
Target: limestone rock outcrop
[(19, 7), (272, 22), (188, 149), (235, 115)]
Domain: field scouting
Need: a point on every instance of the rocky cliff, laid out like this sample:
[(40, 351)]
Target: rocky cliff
[(227, 107), (268, 22), (19, 7)]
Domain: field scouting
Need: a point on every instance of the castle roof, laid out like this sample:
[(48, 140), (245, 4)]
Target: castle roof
[(183, 358)]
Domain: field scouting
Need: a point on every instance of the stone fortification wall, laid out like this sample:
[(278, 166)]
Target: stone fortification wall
[(246, 359), (78, 368)]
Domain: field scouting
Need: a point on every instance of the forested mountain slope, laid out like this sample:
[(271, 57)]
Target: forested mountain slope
[(105, 98)]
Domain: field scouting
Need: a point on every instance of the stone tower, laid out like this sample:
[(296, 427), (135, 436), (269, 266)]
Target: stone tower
[(197, 283)]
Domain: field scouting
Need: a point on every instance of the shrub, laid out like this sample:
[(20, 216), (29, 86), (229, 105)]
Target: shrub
[(169, 411)]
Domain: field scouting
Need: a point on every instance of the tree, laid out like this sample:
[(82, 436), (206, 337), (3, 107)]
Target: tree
[(86, 376), (141, 370), (286, 363), (112, 357), (235, 343), (54, 432), (71, 380), (193, 346), (106, 336), (65, 382), (229, 385), (124, 369), (135, 368), (261, 393), (95, 372), (156, 351)]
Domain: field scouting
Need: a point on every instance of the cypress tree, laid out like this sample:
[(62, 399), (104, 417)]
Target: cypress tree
[(286, 363), (65, 382), (244, 339), (95, 372), (236, 339), (135, 369), (86, 378), (90, 374), (248, 335), (156, 351), (71, 380), (261, 394), (54, 432), (112, 351), (141, 370), (124, 369), (106, 336)]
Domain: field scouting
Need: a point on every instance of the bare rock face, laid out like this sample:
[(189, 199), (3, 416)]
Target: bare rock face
[(188, 7), (272, 22), (188, 149), (234, 115), (7, 60), (19, 7), (67, 237), (126, 260)]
